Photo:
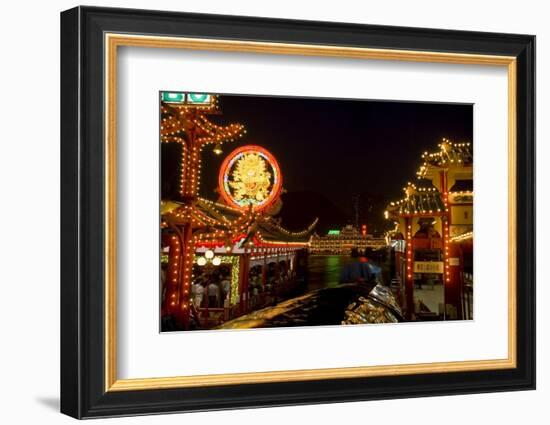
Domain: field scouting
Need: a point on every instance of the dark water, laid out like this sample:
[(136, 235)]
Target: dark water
[(322, 300), (324, 270)]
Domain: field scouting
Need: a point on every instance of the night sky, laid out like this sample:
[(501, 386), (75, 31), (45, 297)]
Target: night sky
[(338, 149)]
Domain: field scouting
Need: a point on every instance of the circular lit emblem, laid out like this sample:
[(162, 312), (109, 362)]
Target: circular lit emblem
[(248, 176)]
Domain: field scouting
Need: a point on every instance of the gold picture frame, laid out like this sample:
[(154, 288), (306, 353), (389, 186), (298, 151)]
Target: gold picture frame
[(114, 41), (91, 40)]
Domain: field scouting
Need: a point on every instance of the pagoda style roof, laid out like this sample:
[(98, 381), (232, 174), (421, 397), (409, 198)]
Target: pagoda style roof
[(417, 201), (216, 221), (175, 123), (270, 230), (448, 154)]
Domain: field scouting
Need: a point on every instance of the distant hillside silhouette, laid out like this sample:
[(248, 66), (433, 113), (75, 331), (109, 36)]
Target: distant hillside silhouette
[(301, 208)]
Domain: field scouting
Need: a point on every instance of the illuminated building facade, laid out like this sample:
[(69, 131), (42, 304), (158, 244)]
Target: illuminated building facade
[(344, 241), (433, 237)]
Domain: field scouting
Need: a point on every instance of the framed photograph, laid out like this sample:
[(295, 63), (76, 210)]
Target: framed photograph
[(261, 212)]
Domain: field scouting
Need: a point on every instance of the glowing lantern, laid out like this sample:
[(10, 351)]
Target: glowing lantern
[(218, 149)]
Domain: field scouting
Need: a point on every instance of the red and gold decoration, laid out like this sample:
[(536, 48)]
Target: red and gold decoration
[(185, 120), (250, 177), (233, 230), (436, 215)]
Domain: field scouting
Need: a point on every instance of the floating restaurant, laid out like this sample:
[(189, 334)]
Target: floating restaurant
[(222, 259), (344, 241), (433, 236)]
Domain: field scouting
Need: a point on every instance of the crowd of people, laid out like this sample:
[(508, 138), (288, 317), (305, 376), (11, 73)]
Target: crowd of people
[(273, 278), (211, 288)]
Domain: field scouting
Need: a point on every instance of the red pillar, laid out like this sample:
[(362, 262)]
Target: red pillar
[(264, 270), (277, 268), (171, 299), (186, 275), (450, 296), (400, 259), (246, 280), (243, 282), (453, 284), (409, 283)]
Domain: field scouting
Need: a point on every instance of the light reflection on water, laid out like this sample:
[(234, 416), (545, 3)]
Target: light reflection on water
[(324, 270)]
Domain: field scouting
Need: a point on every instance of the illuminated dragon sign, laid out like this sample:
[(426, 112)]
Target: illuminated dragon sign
[(248, 176)]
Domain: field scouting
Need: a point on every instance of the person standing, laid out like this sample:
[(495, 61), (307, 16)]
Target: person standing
[(198, 293), (213, 295), (226, 287)]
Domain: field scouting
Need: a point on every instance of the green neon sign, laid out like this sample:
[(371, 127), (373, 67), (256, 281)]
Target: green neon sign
[(333, 232), (198, 98), (171, 97)]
